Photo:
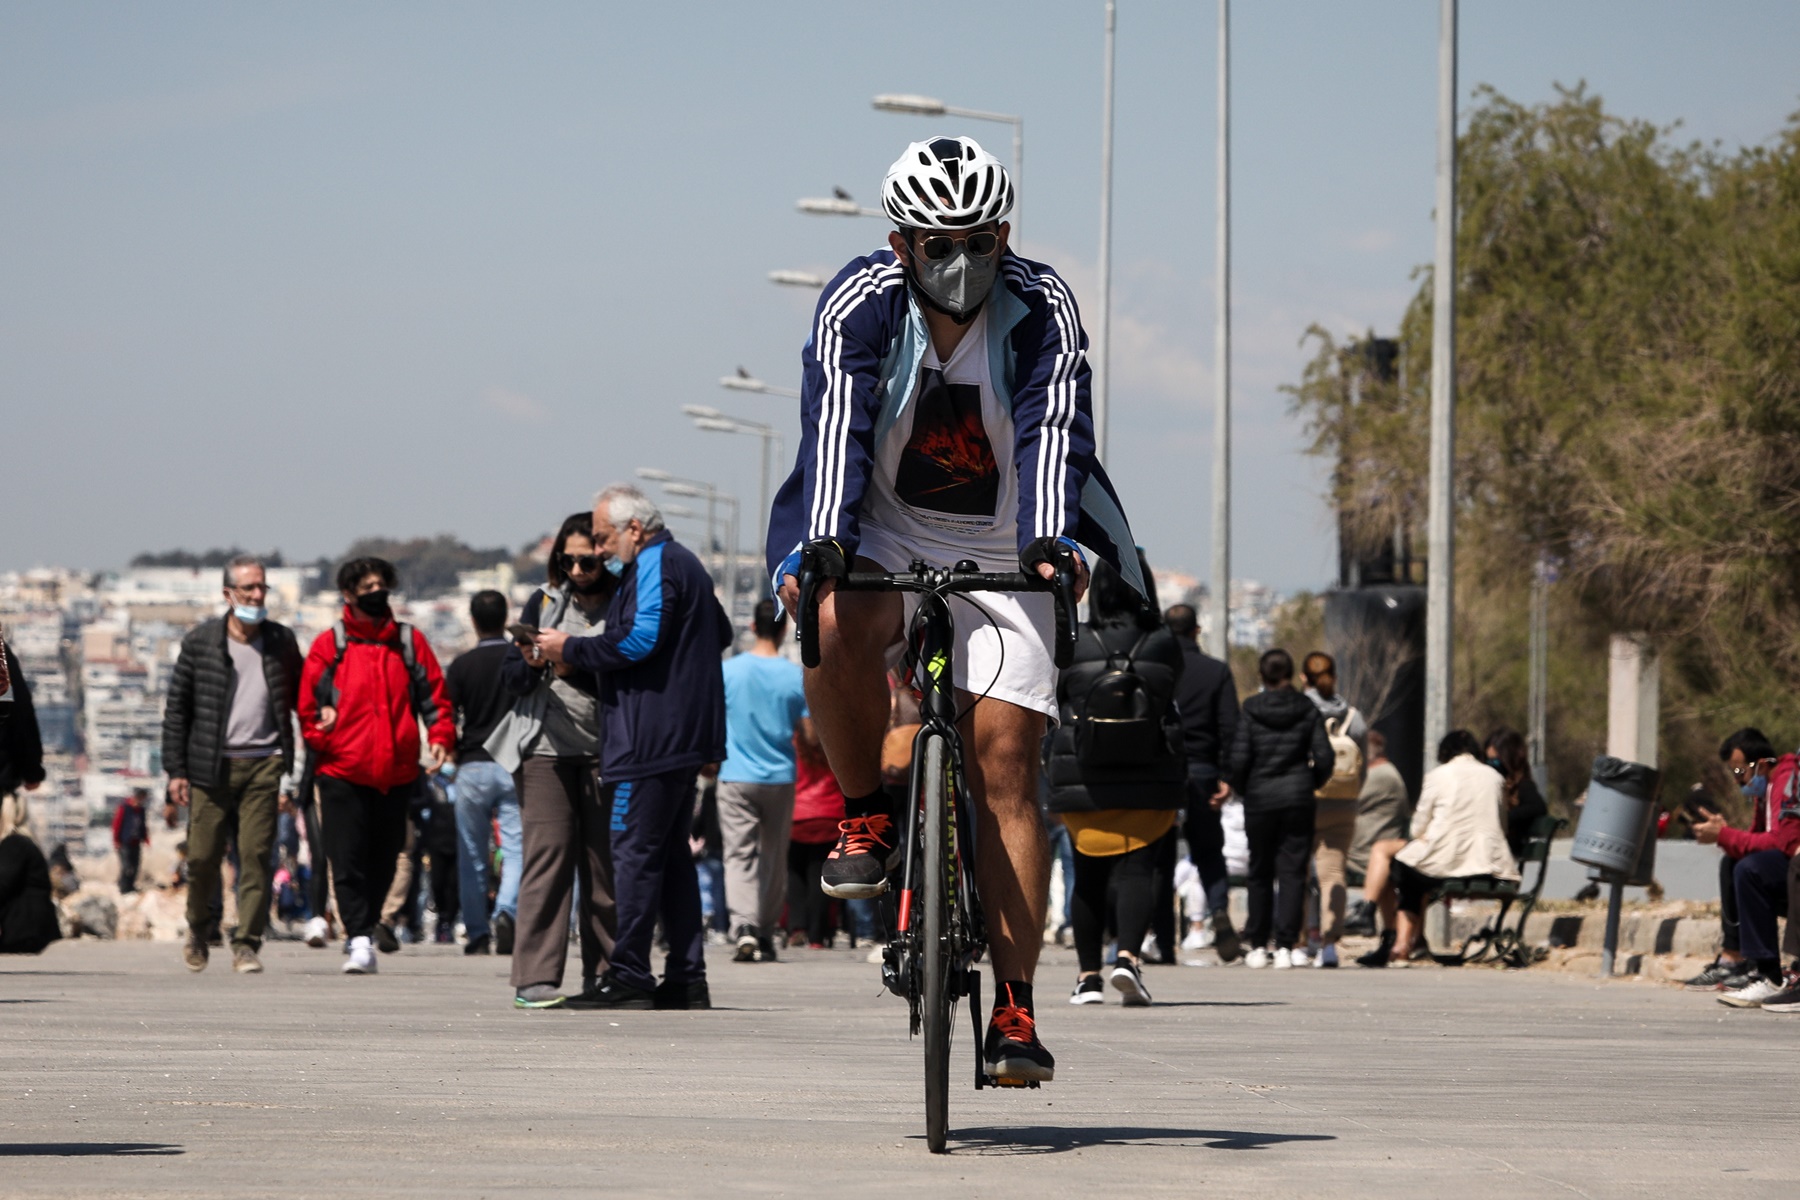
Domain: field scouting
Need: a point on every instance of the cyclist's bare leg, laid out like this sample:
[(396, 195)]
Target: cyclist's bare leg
[(1012, 862), (848, 692)]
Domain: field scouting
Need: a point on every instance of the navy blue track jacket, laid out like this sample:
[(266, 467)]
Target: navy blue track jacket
[(861, 368), (662, 690)]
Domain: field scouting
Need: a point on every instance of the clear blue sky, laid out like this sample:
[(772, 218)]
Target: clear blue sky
[(286, 274)]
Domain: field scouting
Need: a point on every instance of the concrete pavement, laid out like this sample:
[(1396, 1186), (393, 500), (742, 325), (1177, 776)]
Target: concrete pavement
[(124, 1075)]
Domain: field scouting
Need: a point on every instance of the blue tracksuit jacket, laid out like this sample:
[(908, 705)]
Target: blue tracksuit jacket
[(662, 691), (861, 367)]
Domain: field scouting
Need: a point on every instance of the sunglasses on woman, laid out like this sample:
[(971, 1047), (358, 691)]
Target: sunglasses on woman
[(938, 247), (589, 563)]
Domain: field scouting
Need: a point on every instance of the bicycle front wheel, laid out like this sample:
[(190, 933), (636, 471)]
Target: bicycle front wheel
[(937, 865)]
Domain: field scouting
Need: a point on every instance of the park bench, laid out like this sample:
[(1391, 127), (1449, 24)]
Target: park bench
[(1497, 939)]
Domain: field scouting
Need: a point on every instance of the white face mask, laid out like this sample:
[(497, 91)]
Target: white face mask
[(250, 614)]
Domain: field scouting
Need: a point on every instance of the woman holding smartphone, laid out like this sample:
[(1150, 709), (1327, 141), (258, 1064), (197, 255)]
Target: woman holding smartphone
[(554, 736)]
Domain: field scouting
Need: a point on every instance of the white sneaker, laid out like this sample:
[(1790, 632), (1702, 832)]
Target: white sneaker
[(1326, 957), (1258, 957), (1284, 958), (318, 932), (1752, 994), (362, 957), (1198, 938)]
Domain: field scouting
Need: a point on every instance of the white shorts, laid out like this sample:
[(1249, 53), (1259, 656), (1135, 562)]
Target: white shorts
[(1003, 647)]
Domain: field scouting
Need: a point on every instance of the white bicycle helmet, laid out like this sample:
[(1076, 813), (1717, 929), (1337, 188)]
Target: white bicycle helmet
[(946, 183)]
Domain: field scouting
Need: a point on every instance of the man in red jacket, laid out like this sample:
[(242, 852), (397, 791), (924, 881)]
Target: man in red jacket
[(1759, 861), (368, 684)]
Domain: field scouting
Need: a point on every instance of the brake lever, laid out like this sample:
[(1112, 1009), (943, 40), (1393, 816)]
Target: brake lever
[(1068, 621)]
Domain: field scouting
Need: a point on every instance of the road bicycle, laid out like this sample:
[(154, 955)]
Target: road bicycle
[(939, 933)]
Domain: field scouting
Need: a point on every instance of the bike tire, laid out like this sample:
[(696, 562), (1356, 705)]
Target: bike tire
[(934, 943)]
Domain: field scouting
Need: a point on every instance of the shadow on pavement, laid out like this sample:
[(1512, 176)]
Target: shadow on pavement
[(86, 1149), (1220, 1004), (1046, 1139)]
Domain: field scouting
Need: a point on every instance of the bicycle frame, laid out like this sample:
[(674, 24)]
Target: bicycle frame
[(932, 636)]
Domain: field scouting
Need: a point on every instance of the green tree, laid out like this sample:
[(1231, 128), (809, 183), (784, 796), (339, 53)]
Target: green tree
[(1628, 406)]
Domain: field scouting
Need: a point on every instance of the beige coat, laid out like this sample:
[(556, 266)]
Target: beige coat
[(1459, 826)]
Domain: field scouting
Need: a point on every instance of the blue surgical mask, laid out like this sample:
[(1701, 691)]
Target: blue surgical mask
[(447, 772), (1757, 788), (250, 614), (614, 567)]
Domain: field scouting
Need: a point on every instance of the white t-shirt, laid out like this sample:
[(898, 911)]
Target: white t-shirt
[(944, 485)]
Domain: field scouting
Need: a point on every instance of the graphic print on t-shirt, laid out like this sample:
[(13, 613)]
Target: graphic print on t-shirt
[(948, 464)]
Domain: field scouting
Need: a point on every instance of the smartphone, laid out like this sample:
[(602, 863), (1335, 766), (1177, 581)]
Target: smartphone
[(522, 633)]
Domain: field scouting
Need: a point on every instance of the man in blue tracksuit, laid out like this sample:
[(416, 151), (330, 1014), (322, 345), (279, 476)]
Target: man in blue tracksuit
[(662, 717), (944, 417)]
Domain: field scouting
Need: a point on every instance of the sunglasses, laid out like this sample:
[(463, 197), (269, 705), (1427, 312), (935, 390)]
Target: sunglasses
[(589, 563), (939, 246)]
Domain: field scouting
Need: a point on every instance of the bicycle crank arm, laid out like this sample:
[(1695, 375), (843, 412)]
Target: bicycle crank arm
[(972, 985)]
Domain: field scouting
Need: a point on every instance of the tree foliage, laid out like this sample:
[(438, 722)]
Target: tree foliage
[(1628, 407)]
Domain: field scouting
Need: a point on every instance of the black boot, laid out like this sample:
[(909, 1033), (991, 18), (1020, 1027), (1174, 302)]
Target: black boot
[(1378, 957)]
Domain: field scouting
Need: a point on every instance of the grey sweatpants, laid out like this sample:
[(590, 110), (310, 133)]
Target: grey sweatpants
[(754, 822)]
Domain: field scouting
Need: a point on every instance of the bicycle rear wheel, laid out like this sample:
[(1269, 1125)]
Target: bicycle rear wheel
[(936, 865)]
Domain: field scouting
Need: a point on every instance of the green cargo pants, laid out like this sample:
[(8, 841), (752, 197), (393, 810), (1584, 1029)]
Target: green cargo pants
[(244, 806)]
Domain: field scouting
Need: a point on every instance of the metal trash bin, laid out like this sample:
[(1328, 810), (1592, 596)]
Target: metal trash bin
[(1617, 819)]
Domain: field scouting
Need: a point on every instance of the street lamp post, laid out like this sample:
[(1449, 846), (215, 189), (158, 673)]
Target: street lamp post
[(714, 421), (928, 106), (676, 485), (1220, 598), (1440, 592), (743, 381), (1103, 375), (678, 488)]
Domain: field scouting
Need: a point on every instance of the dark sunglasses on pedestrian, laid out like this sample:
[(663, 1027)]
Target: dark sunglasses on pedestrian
[(939, 246), (589, 563)]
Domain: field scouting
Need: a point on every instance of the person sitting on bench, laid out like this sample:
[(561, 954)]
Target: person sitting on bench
[(1458, 832)]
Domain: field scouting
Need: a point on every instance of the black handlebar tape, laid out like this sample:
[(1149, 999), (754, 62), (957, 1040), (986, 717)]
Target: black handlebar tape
[(809, 614)]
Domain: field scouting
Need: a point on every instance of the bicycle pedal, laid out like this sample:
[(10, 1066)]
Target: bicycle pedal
[(1004, 1081)]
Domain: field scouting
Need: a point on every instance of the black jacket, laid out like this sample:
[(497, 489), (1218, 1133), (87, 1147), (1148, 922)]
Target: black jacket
[(200, 695), (1158, 784), (1281, 754), (1209, 708), (21, 747), (27, 912), (473, 684)]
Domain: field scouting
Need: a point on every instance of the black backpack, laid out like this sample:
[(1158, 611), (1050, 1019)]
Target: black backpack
[(1123, 723)]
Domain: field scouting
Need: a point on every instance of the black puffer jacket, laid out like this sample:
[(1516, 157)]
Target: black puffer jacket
[(21, 747), (200, 695), (1281, 754), (1159, 783)]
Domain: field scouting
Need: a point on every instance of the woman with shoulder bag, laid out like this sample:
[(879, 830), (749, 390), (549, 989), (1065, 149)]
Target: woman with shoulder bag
[(1117, 773), (551, 742)]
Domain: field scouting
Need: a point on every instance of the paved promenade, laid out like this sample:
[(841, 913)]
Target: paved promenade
[(123, 1075)]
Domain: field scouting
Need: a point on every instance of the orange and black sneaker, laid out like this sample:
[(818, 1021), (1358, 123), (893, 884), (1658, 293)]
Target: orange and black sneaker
[(857, 867), (1013, 1054)]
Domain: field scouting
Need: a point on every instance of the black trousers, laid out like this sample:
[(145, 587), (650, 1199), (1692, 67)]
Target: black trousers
[(129, 858), (653, 875), (1132, 875), (809, 909), (1280, 849), (365, 830), (1728, 905), (1206, 837)]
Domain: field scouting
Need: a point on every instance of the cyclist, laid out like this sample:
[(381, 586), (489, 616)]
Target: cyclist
[(945, 414)]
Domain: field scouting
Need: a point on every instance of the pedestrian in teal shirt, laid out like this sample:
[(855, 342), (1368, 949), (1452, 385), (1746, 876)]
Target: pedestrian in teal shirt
[(765, 703)]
